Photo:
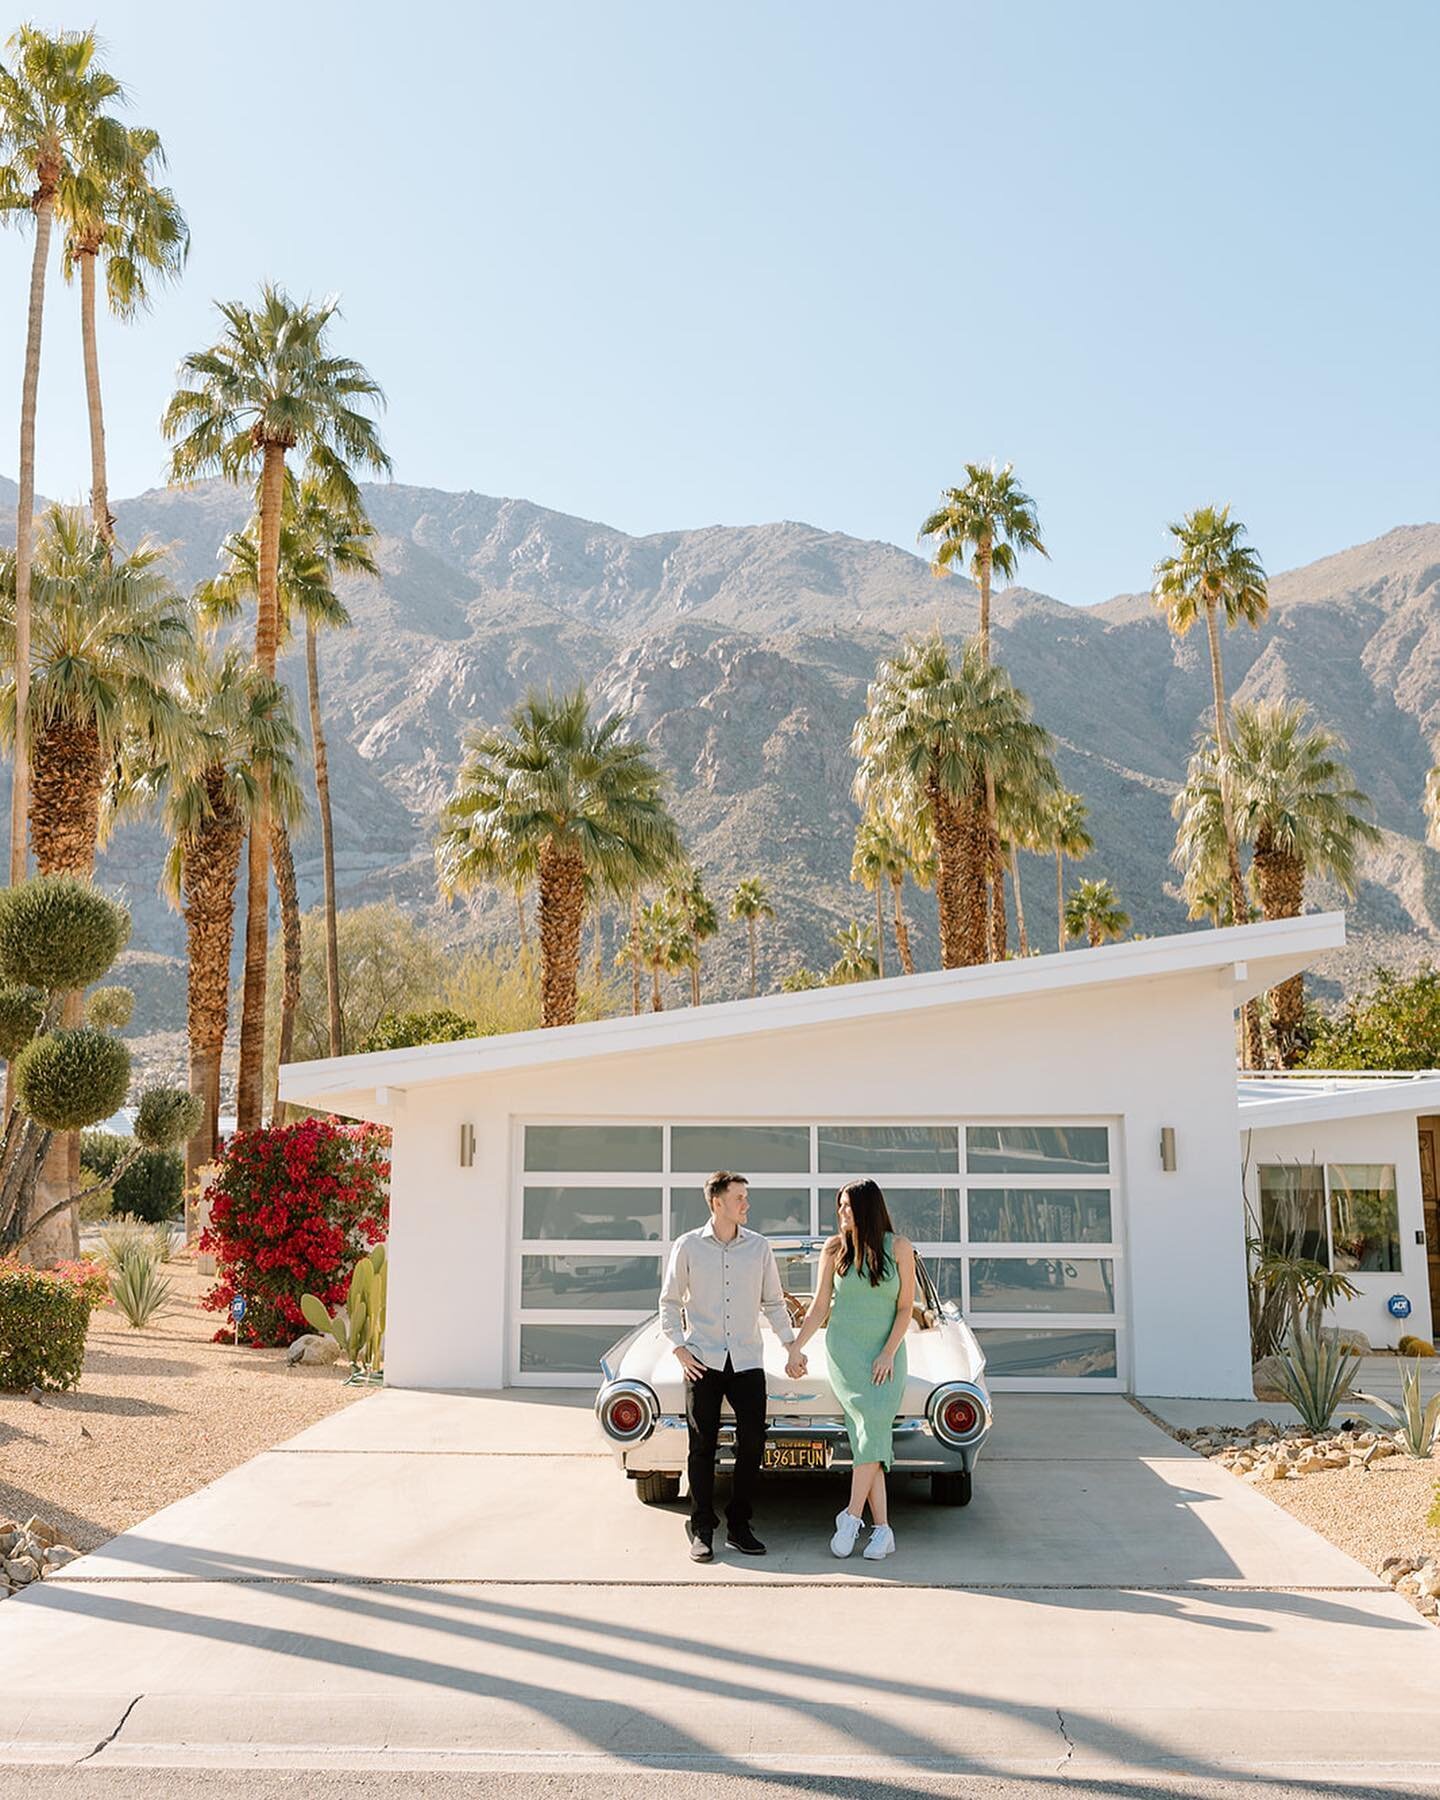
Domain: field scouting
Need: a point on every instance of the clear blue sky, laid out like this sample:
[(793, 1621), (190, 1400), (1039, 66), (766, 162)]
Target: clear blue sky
[(677, 264)]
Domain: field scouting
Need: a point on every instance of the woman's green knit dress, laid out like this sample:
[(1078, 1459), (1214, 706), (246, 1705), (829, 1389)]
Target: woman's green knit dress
[(861, 1319)]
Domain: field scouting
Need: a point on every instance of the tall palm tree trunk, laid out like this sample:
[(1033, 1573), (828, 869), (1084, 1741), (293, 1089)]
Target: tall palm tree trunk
[(999, 922), (657, 999), (634, 954), (752, 927), (973, 831), (211, 874), (1281, 880), (284, 861), (321, 759), (902, 928), (250, 1094), (1060, 896), (880, 927), (949, 888), (25, 530), (1250, 1043), (1019, 902), (523, 928), (998, 946), (99, 484), (562, 913), (695, 983)]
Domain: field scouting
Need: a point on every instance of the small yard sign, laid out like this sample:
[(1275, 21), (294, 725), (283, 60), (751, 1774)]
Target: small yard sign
[(237, 1313)]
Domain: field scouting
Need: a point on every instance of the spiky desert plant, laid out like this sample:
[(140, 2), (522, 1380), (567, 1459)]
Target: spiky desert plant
[(137, 1286), (1314, 1373), (1417, 1420)]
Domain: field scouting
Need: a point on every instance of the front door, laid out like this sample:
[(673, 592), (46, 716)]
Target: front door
[(1430, 1193)]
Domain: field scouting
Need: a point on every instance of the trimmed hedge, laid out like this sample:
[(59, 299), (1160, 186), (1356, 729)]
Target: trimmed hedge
[(152, 1188), (44, 1315), (71, 1078)]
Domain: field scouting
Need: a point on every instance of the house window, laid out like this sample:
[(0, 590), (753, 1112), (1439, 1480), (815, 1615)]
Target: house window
[(1364, 1217), (1344, 1216)]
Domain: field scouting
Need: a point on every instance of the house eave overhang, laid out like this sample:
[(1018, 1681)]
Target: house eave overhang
[(1246, 959), (1381, 1094)]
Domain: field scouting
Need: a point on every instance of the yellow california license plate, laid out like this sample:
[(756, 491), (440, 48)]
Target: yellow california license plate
[(797, 1453)]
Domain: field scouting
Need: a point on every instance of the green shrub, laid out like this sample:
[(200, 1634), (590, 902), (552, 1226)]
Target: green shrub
[(137, 1286), (152, 1188), (110, 1008), (57, 933), (68, 1079), (1395, 1024), (125, 1233), (166, 1117), (44, 1315), (402, 1031), (20, 1012)]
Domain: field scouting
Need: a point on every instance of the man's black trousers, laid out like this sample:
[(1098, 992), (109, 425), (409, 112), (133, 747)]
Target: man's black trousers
[(745, 1390)]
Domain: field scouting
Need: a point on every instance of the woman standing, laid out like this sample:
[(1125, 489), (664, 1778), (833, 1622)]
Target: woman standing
[(864, 1298)]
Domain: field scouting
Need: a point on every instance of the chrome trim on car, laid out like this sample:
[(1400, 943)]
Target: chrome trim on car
[(935, 1413), (635, 1390)]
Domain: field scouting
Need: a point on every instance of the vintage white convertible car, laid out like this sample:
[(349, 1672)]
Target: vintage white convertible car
[(942, 1423)]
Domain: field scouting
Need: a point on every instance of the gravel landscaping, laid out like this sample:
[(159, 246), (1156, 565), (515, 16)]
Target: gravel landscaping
[(159, 1413)]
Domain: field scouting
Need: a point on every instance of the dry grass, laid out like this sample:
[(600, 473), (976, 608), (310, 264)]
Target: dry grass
[(159, 1413)]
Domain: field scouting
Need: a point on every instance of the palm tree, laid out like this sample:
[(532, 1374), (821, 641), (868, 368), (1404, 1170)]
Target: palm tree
[(1296, 806), (55, 138), (573, 793), (270, 384), (1024, 821), (1213, 572), (138, 228), (882, 856), (751, 902), (687, 897), (1094, 912), (241, 726), (664, 946), (857, 961), (1067, 834), (318, 541), (934, 737), (1431, 804), (105, 636)]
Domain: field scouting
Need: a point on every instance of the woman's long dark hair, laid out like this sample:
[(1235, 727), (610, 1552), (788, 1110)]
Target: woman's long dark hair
[(866, 1246)]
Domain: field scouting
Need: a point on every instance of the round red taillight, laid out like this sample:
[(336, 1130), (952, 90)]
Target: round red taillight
[(626, 1415), (959, 1416)]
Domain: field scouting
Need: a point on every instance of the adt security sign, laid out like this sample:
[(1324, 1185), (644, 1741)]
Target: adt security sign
[(237, 1313), (1398, 1306)]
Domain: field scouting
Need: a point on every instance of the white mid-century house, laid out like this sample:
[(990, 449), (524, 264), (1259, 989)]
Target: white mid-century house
[(1058, 1135)]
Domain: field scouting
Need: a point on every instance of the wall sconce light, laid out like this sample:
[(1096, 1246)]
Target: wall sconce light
[(1167, 1149), (467, 1146)]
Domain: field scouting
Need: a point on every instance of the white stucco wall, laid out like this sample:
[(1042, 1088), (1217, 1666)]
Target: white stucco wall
[(1385, 1138), (1141, 1055)]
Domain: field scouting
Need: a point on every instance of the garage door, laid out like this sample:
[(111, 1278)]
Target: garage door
[(1019, 1223)]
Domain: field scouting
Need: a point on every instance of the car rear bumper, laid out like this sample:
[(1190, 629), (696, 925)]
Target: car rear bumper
[(916, 1448)]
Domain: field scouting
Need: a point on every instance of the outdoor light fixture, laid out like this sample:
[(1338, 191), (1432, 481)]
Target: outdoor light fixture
[(467, 1146), (1167, 1149)]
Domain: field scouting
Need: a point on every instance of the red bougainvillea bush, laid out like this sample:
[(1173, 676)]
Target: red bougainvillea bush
[(292, 1210)]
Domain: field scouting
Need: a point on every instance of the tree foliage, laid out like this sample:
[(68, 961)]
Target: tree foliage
[(1392, 1024)]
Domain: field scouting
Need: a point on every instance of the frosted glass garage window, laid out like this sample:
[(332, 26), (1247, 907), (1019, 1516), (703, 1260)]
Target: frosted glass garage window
[(889, 1149), (1040, 1216), (924, 1215), (764, 1149), (1053, 1284), (566, 1349), (1364, 1220), (595, 1149), (1054, 1355), (1037, 1149), (613, 1213), (590, 1283), (772, 1210)]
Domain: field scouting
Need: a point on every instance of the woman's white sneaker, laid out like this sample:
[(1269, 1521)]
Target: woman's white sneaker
[(882, 1543), (847, 1530)]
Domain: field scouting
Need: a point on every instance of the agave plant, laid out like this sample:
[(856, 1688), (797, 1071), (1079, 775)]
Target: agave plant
[(138, 1287), (1418, 1422), (1314, 1375)]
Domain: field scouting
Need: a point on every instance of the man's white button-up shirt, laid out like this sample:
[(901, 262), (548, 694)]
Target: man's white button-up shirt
[(714, 1294)]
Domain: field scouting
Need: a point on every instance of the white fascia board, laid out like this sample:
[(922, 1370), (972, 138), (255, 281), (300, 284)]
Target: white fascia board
[(1267, 953), (1366, 1099)]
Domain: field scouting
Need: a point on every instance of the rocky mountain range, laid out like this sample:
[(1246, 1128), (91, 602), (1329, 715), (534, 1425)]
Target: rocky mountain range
[(744, 653)]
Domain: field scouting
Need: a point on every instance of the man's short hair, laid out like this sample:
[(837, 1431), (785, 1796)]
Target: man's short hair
[(719, 1181)]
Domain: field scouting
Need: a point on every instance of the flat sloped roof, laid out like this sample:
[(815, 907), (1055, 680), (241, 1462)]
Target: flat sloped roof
[(1310, 1098), (1258, 956)]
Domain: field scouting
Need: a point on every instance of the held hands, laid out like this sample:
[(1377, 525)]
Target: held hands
[(689, 1362), (796, 1364), (883, 1368)]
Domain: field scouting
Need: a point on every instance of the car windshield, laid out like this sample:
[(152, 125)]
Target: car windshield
[(800, 1270)]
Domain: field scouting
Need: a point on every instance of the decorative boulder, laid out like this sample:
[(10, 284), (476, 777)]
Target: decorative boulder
[(313, 1350), (1348, 1338), (1267, 1379)]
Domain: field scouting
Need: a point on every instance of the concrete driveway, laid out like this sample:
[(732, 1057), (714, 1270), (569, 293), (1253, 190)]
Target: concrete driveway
[(464, 1582)]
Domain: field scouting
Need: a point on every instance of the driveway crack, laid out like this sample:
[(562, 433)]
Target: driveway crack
[(1069, 1741), (106, 1741)]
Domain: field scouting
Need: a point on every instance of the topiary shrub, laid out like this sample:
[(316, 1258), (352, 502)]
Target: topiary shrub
[(1415, 1346), (292, 1210), (403, 1031), (166, 1116), (44, 1315), (68, 1079), (21, 1009), (59, 934), (110, 1008), (152, 1187)]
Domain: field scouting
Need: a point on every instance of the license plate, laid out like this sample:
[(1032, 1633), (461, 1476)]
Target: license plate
[(797, 1453)]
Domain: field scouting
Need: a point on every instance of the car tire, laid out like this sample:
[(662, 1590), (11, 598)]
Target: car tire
[(655, 1488), (953, 1488)]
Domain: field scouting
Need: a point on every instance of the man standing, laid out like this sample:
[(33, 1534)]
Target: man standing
[(720, 1279)]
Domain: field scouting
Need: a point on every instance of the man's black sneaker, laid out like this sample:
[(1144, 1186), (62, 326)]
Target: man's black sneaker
[(701, 1547), (743, 1539)]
